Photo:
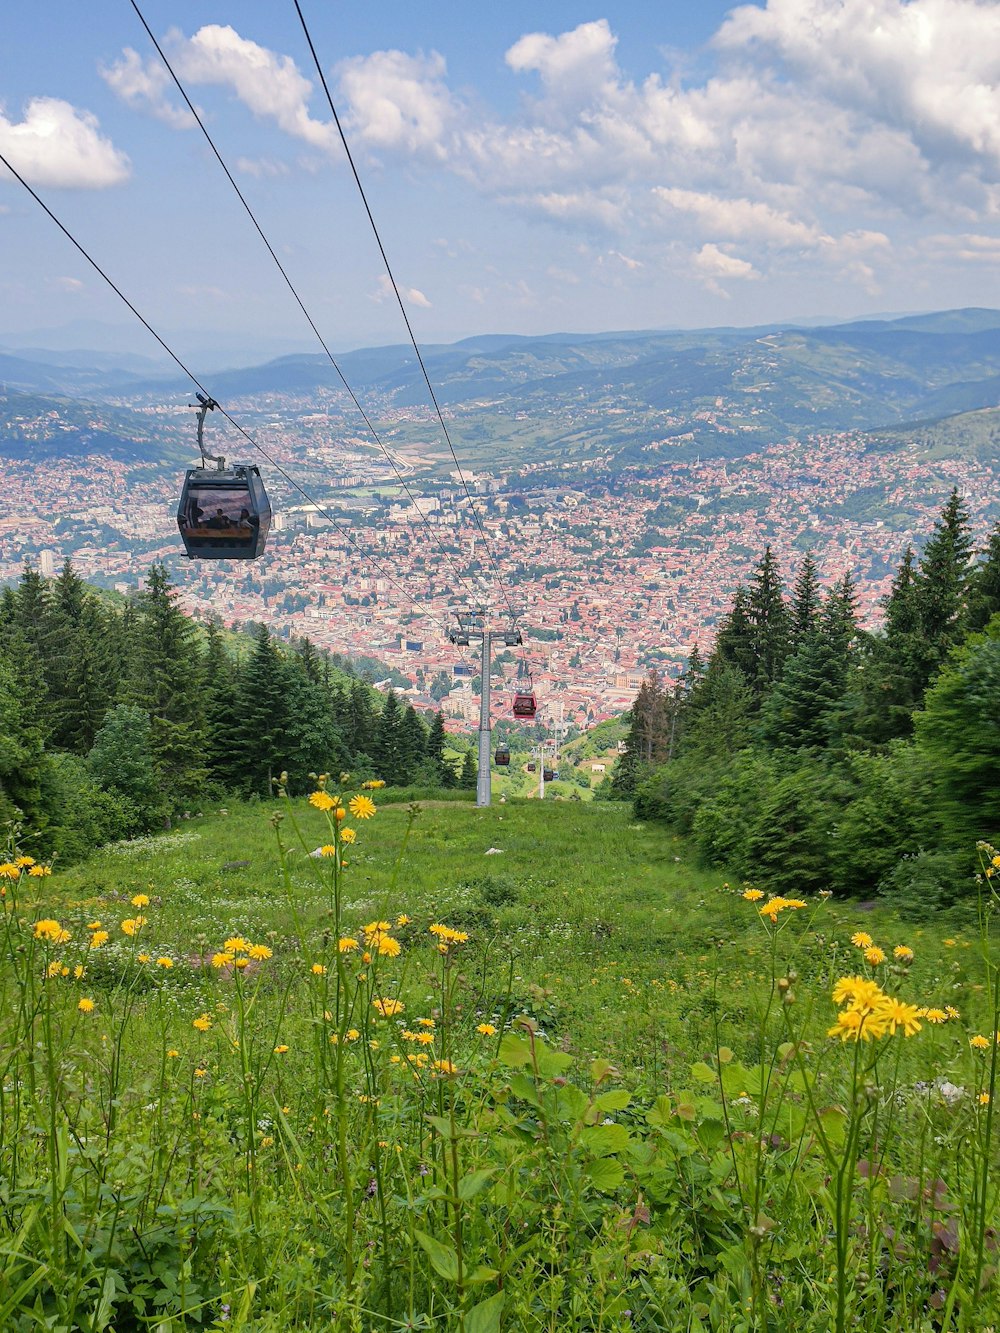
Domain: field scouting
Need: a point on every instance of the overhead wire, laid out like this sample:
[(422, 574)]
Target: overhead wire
[(292, 288), (406, 319), (413, 601)]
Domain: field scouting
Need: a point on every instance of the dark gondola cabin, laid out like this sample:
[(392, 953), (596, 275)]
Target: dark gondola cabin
[(548, 774), (224, 513), (502, 756), (524, 704)]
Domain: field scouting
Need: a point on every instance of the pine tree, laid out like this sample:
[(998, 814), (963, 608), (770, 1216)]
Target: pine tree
[(734, 641), (435, 752), (468, 779), (388, 751), (260, 741), (716, 719), (413, 743), (769, 624), (984, 584), (941, 585), (804, 611)]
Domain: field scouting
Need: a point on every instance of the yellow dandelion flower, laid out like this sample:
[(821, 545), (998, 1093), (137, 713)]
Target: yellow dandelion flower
[(133, 924), (903, 953), (222, 959), (139, 900), (260, 953), (950, 943), (426, 1022), (328, 849), (861, 939), (54, 969), (445, 1067), (388, 947), (98, 938), (172, 1054), (241, 963), (200, 1073), (323, 800), (164, 961), (347, 945), (979, 1042), (984, 1099), (951, 1011), (348, 835), (935, 1016), (39, 872), (448, 936), (79, 972), (93, 925), (8, 870), (142, 958), (486, 1029), (281, 1050), (388, 1008), (318, 970), (361, 807), (236, 944), (365, 958), (874, 955), (425, 1038), (51, 930), (402, 919), (85, 1006), (899, 1015), (855, 1025), (376, 928), (24, 862), (340, 814), (202, 1022), (752, 895), (353, 1034)]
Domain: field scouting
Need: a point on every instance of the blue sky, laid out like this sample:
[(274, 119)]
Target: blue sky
[(532, 168)]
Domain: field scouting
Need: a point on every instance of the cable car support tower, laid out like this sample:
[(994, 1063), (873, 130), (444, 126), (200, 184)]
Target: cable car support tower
[(474, 625)]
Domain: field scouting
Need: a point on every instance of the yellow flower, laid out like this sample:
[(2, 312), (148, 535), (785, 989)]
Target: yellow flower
[(425, 1038), (133, 925), (388, 1008), (487, 1029), (348, 835), (375, 928), (50, 930), (426, 1022), (140, 900), (402, 919), (861, 939), (98, 938), (200, 1073), (936, 1016), (373, 784), (340, 814), (142, 958), (445, 1067), (979, 1042), (361, 807), (281, 1050), (221, 959), (328, 849), (897, 1014), (323, 800), (951, 1011), (54, 968), (950, 944), (79, 972), (318, 970), (984, 1099), (346, 944), (855, 1025), (388, 947), (241, 963), (236, 944), (259, 952), (8, 870), (874, 955), (85, 1006), (39, 872), (752, 895), (164, 962), (903, 953), (448, 936), (24, 862), (172, 1054), (202, 1023), (93, 925)]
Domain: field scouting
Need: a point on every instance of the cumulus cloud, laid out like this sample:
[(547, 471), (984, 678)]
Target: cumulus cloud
[(411, 295), (146, 85), (714, 264), (56, 144), (398, 101)]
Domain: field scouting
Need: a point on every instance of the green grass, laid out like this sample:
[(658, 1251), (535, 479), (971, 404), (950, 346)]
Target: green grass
[(651, 1128)]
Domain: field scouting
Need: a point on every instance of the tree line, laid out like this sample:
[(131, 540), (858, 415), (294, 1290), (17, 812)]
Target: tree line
[(117, 716), (807, 753)]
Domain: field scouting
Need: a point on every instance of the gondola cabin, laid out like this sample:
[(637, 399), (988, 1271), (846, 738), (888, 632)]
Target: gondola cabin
[(548, 774), (532, 768), (502, 756), (524, 704), (224, 513)]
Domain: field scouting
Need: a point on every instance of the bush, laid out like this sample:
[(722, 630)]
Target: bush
[(920, 887)]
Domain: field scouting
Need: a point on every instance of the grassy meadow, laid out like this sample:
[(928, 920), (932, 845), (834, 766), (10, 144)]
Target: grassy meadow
[(332, 1066)]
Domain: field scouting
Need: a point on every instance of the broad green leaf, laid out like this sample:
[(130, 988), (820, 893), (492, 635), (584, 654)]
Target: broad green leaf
[(725, 1055), (485, 1317), (480, 1275), (703, 1073), (605, 1174), (443, 1258), (553, 1063), (572, 1102), (613, 1101), (661, 1111), (600, 1069), (514, 1051), (524, 1087), (470, 1185), (603, 1140)]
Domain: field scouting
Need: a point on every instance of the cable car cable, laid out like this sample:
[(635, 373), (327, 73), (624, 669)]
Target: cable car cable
[(195, 380), (402, 308), (291, 287)]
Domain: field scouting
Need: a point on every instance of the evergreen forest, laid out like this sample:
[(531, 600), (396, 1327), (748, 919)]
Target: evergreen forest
[(117, 716), (806, 753)]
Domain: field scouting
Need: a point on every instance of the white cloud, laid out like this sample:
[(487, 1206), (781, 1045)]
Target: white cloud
[(631, 264), (411, 295), (146, 86), (398, 101), (575, 68), (736, 219), (261, 167), (57, 145), (717, 264), (69, 284)]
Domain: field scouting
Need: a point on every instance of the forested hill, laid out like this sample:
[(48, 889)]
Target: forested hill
[(117, 716), (807, 755)]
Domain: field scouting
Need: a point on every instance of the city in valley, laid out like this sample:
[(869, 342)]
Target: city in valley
[(613, 568)]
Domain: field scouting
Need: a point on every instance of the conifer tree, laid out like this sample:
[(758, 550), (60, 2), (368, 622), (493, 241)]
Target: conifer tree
[(260, 744), (734, 641), (941, 585), (717, 713), (413, 742), (984, 584), (220, 700), (769, 624), (435, 752), (388, 751), (804, 611), (468, 779)]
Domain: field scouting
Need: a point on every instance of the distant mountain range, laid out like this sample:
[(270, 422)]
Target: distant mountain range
[(720, 390)]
